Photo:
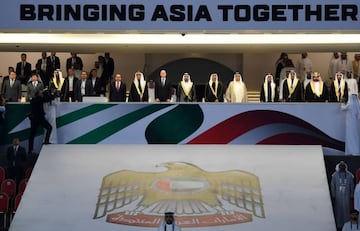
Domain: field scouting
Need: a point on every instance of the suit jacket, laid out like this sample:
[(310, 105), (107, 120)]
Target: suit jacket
[(53, 64), (95, 89), (12, 94), (163, 93), (117, 95), (65, 91), (27, 72), (108, 69), (78, 63), (45, 75), (31, 90), (17, 159), (77, 90)]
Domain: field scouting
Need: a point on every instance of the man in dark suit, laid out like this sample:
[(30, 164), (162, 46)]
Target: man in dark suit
[(82, 87), (54, 64), (23, 69), (67, 90), (163, 88), (12, 88), (37, 117), (42, 67), (10, 69), (74, 62), (33, 86), (108, 69), (117, 90), (16, 158), (95, 83)]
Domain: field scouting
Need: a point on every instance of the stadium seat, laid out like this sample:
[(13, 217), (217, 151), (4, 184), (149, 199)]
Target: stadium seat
[(28, 172), (16, 203), (8, 186), (2, 174), (4, 206), (22, 185)]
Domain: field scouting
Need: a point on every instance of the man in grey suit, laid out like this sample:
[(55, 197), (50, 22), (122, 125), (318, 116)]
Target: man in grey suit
[(33, 86), (11, 89)]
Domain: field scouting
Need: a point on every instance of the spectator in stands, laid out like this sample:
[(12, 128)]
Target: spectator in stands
[(108, 69), (283, 64), (316, 90), (34, 86), (236, 91), (56, 83), (42, 68), (67, 90), (82, 87), (343, 64), (17, 160), (333, 66), (214, 90), (10, 69), (304, 66), (353, 224), (356, 66), (351, 82), (163, 88), (76, 63), (11, 89), (139, 90), (95, 83), (342, 191), (186, 90), (292, 88), (53, 64), (268, 92), (338, 89), (117, 90), (23, 69)]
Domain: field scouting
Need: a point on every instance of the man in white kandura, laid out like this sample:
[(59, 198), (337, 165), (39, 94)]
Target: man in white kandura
[(236, 91)]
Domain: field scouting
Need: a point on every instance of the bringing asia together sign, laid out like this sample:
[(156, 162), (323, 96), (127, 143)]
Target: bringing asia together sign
[(180, 13), (190, 14)]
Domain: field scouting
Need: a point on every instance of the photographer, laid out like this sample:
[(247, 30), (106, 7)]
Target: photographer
[(37, 116)]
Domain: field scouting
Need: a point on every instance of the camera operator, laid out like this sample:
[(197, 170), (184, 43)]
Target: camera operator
[(37, 116)]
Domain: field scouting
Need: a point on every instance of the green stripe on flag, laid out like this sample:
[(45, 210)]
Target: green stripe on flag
[(79, 114), (97, 135)]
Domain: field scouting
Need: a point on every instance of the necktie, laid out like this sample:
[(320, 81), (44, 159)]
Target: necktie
[(163, 81), (117, 85), (11, 83)]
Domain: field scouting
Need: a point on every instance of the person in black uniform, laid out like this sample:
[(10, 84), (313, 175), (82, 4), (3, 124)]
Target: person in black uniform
[(37, 116)]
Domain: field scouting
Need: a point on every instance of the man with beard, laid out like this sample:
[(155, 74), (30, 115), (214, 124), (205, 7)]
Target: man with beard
[(338, 89), (292, 89), (316, 90), (186, 90)]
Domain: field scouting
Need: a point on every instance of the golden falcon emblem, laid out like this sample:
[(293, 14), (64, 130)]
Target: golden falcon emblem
[(195, 195)]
